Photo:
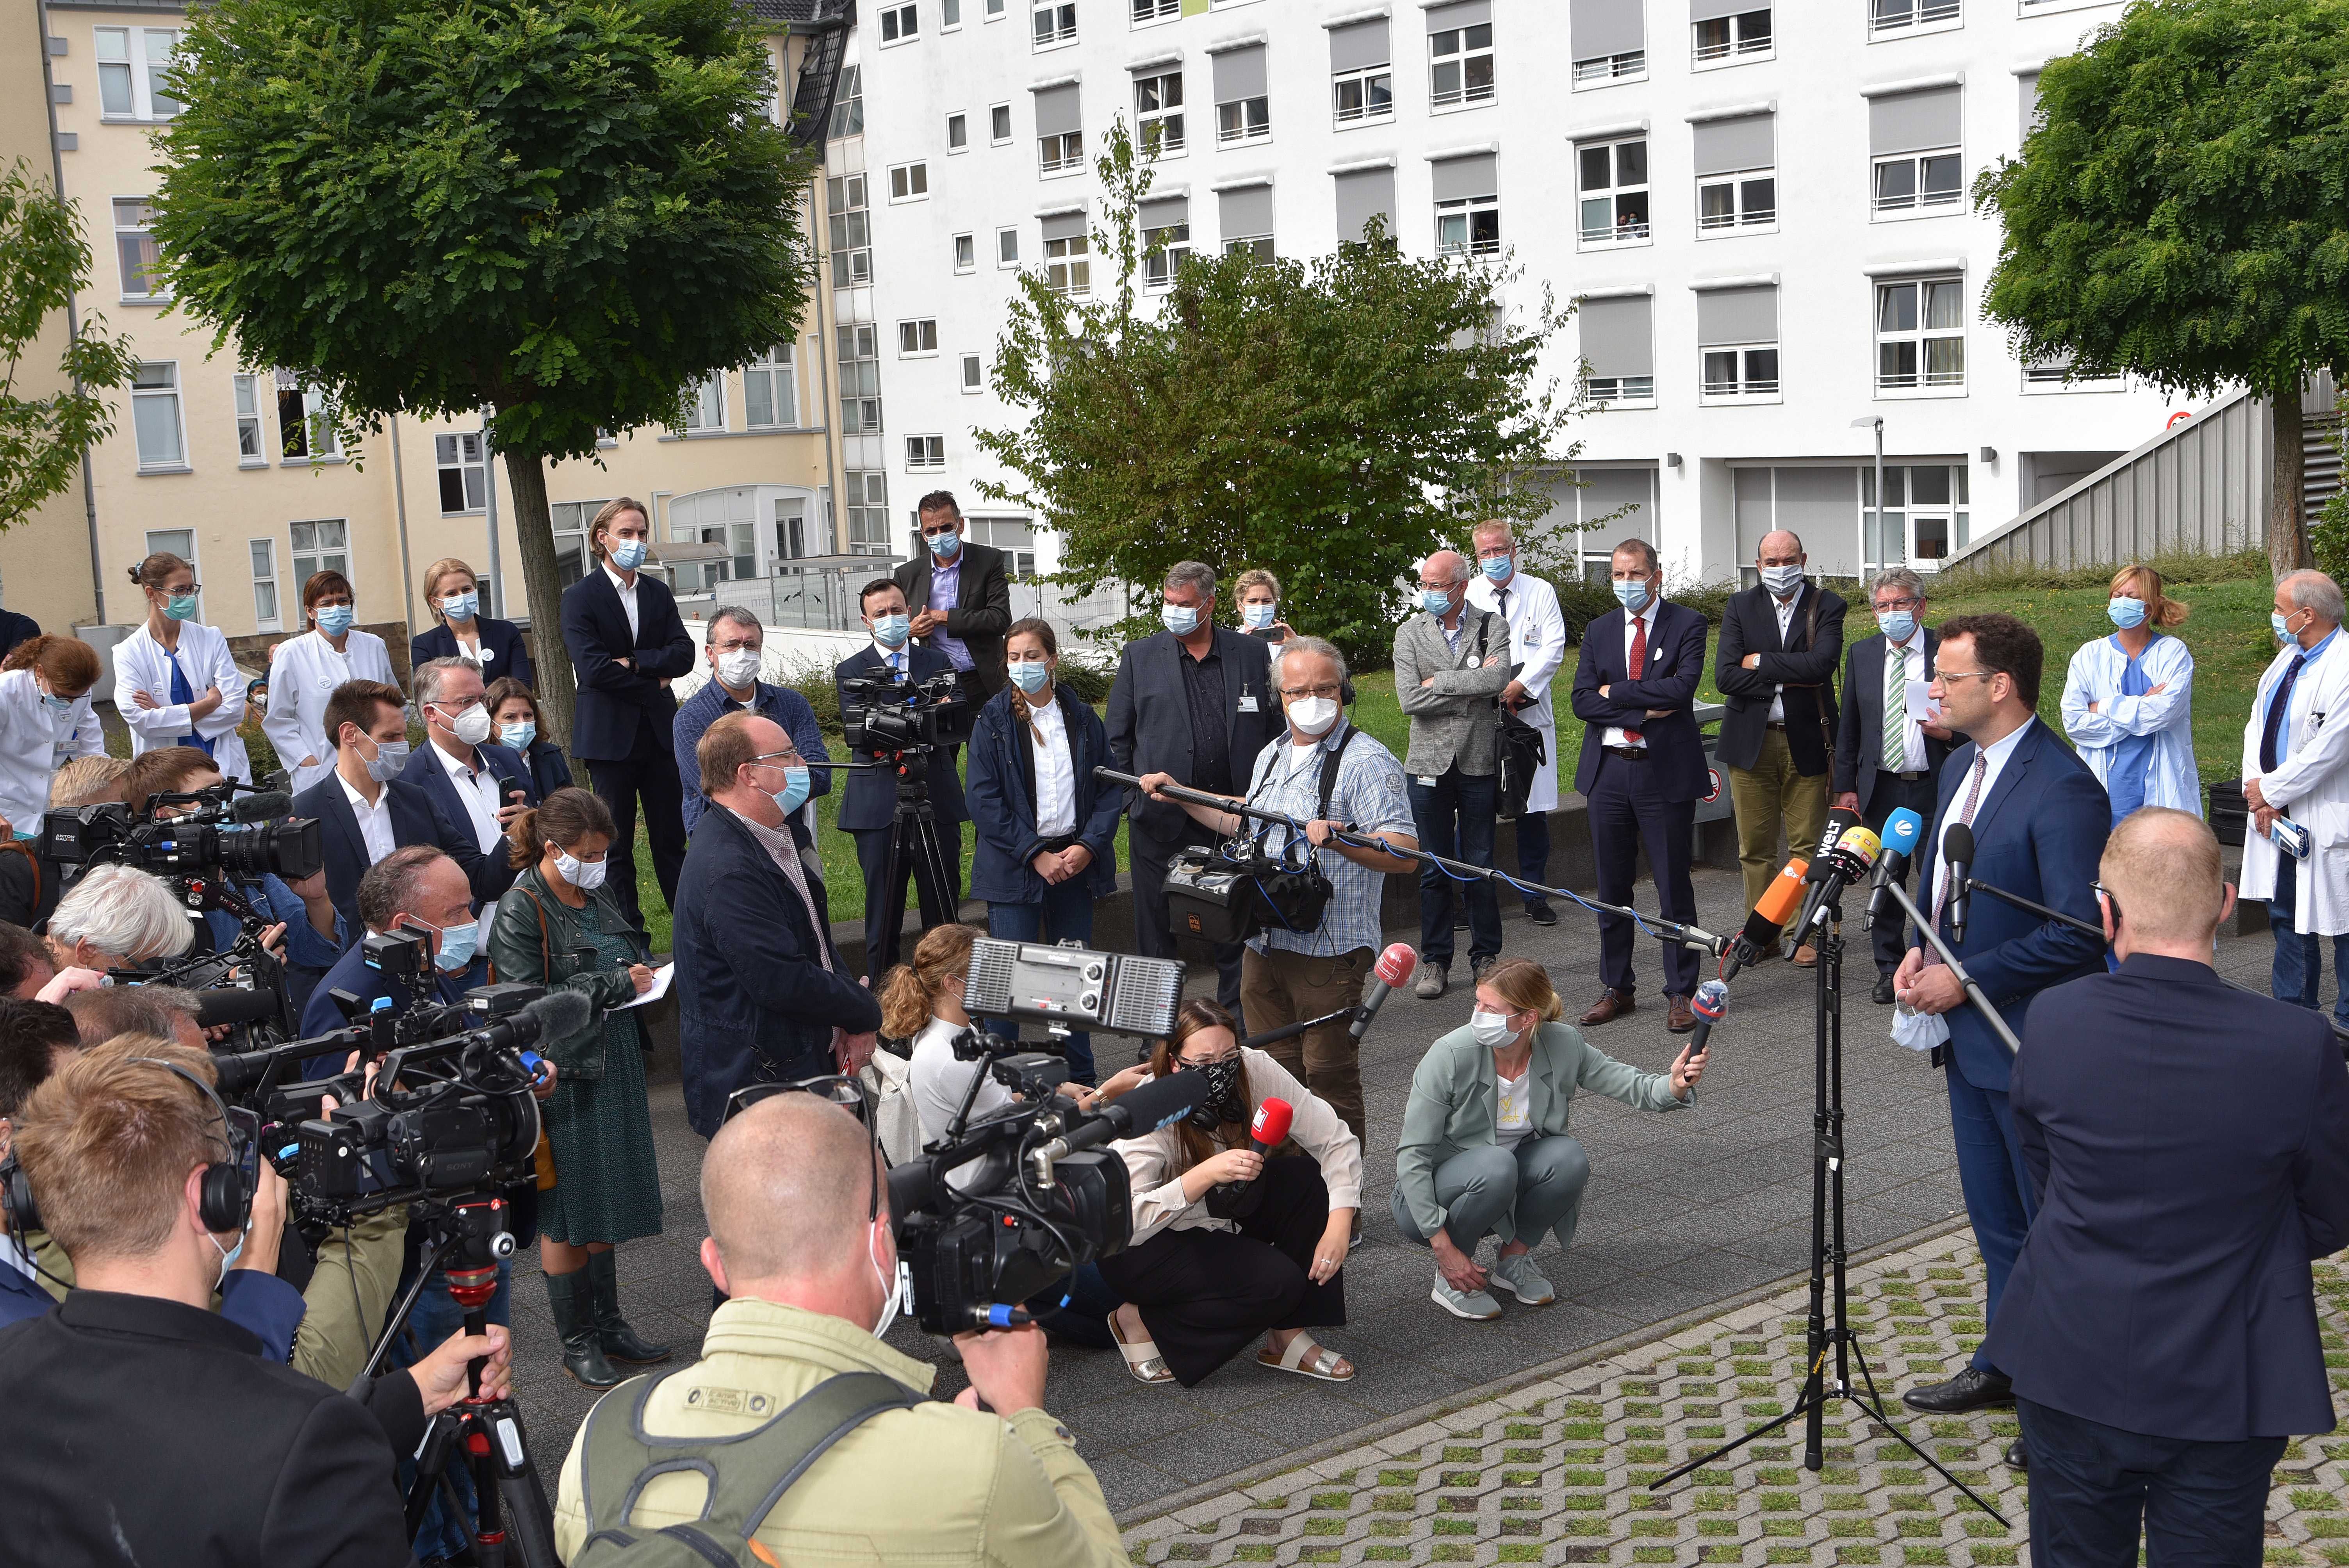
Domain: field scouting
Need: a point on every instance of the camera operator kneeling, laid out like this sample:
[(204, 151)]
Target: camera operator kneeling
[(799, 1242), (163, 1437), (1210, 1267), (1485, 1147)]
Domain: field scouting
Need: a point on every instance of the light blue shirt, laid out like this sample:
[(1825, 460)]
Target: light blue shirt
[(1368, 793), (2299, 695)]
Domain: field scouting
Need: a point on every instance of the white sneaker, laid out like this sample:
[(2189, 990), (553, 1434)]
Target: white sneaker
[(1473, 1304)]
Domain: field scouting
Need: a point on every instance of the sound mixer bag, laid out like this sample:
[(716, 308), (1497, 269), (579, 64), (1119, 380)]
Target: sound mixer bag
[(1221, 898)]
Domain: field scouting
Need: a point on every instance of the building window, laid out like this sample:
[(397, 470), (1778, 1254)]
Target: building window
[(1155, 10), (860, 379), (1618, 348), (465, 478), (998, 124), (868, 513), (1742, 199), (1921, 334), (1925, 513), (899, 23), (265, 585), (1732, 374), (958, 132), (974, 373), (134, 244), (1053, 22), (1006, 247), (249, 453), (852, 232), (1243, 107), (1912, 182), (1067, 268), (995, 10), (1243, 120), (1614, 179), (1158, 111), (705, 404), (306, 428), (1890, 16), (770, 391), (2056, 375), (848, 106), (155, 415), (1461, 65), (918, 337), (1166, 248), (966, 254), (949, 14), (926, 452), (1470, 226), (909, 182), (1257, 245), (134, 65), (1062, 150), (322, 546), (1720, 38), (1365, 95)]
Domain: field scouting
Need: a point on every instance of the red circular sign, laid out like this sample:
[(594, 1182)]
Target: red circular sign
[(1711, 785)]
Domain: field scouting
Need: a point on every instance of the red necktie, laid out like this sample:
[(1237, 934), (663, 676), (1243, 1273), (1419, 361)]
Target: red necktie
[(1636, 663)]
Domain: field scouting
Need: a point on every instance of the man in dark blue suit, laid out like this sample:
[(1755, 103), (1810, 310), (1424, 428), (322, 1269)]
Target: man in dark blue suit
[(736, 646), (626, 642), (2039, 820), (2188, 1149), (1642, 768), (415, 888), (479, 787), (868, 808)]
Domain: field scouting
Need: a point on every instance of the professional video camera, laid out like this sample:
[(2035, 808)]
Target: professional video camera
[(221, 835), (880, 715)]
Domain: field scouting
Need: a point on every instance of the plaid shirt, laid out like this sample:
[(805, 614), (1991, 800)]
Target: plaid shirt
[(1369, 795)]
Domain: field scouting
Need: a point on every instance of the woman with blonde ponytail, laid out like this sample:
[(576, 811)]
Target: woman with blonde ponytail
[(922, 1002)]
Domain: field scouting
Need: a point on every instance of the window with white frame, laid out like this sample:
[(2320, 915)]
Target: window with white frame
[(705, 404), (918, 337), (322, 546), (1068, 267), (1063, 151), (1059, 144), (1619, 347), (966, 254), (1613, 175), (949, 14), (134, 247), (1607, 42), (134, 68), (1052, 22), (909, 182), (1925, 513), (263, 555), (306, 427), (848, 103), (860, 378), (852, 230), (868, 513), (1460, 62), (1165, 242), (995, 10), (465, 478), (569, 521), (926, 452), (249, 451), (1363, 194), (1737, 337), (998, 124), (1006, 247), (155, 416), (1155, 10), (771, 397), (1243, 103), (899, 23), (1467, 206), (179, 541), (1915, 182), (1921, 334), (1158, 112), (1736, 177), (974, 373), (1892, 16), (958, 132), (1245, 215), (1362, 73), (1723, 34), (1912, 141)]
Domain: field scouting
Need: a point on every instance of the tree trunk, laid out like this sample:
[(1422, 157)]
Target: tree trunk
[(542, 583), (2287, 516)]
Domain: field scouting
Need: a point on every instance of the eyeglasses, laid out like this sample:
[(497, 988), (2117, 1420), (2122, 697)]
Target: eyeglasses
[(1942, 675), (1495, 551), (1328, 688), (1439, 587), (736, 646), (783, 759), (941, 531), (1230, 1056), (848, 1093), (1892, 604)]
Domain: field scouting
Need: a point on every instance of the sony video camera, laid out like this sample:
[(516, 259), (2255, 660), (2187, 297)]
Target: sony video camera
[(879, 715), (221, 836)]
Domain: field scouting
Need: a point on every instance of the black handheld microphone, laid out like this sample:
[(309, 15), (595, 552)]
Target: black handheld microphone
[(234, 1005), (1839, 822), (1143, 1109), (1766, 925), (1958, 850), (1848, 861)]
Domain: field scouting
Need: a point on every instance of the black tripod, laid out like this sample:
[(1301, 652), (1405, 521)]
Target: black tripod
[(512, 1523), (914, 845), (1828, 1252)]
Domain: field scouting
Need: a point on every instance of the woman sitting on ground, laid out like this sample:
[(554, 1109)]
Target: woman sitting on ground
[(1485, 1147), (1226, 1244)]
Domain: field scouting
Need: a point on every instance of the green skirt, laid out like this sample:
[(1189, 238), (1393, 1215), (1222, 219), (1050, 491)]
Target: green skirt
[(607, 1177)]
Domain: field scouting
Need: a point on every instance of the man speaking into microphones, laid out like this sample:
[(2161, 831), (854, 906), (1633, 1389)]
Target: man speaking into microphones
[(2037, 819)]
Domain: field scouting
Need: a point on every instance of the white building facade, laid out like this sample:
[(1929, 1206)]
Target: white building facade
[(1764, 213)]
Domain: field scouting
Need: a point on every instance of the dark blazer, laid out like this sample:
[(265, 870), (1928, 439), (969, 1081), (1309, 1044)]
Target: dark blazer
[(784, 706), (352, 973), (549, 770), (2190, 1147), (1668, 680), (2039, 834), (289, 1470), (870, 799), (755, 1004), (622, 708), (1150, 719), (15, 628), (424, 771), (1003, 801), (501, 638), (416, 819), (982, 611), (1859, 737), (1750, 625)]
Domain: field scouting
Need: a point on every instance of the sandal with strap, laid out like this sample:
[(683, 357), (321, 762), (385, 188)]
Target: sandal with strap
[(1142, 1358), (1321, 1363)]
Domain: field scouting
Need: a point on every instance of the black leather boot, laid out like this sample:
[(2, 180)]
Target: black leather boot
[(574, 1321), (619, 1342)]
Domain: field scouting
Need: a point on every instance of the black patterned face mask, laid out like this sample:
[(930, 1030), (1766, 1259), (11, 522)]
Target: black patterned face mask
[(1223, 1089)]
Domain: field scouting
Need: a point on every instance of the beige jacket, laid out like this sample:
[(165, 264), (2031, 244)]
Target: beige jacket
[(1154, 1162), (985, 1491)]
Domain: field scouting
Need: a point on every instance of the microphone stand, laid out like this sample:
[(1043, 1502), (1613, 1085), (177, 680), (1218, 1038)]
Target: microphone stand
[(1290, 1031), (1973, 992)]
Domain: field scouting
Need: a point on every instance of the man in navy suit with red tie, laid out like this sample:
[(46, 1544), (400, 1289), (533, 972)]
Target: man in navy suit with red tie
[(1643, 768)]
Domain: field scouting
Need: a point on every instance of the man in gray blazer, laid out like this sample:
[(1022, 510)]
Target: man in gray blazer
[(1451, 661)]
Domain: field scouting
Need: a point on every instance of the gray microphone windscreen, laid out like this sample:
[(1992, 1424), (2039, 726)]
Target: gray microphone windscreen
[(261, 808), (561, 1014)]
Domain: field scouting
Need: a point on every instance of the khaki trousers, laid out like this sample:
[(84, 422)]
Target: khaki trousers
[(1764, 796), (1278, 988)]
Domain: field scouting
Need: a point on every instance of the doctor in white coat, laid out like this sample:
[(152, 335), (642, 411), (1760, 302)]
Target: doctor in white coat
[(305, 670), (2129, 701), (45, 718), (175, 683), (2296, 768), (1537, 640)]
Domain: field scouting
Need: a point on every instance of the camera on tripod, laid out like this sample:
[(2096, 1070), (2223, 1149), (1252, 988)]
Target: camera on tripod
[(879, 715), (218, 836)]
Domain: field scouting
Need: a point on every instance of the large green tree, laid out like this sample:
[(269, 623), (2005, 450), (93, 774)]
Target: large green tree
[(1332, 420), (2181, 213), (556, 211)]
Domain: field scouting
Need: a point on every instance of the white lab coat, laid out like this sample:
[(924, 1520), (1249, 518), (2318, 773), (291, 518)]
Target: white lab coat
[(142, 663), (2168, 716), (302, 673), (1536, 639), (2310, 787), (33, 741)]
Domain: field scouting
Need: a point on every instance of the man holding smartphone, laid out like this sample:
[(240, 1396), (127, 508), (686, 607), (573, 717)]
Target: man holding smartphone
[(478, 785)]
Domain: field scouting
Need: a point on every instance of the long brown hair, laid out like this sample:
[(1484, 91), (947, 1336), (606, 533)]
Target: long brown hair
[(62, 660), (565, 817), (157, 569), (909, 991), (1195, 1017), (1042, 632)]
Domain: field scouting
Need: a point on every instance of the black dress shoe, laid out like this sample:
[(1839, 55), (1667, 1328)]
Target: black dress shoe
[(2016, 1458), (1972, 1389), (1540, 913), (1882, 995)]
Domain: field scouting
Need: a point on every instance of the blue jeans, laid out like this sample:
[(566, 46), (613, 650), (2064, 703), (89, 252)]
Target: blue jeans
[(2300, 960), (1065, 911), (1455, 798), (434, 1319), (2093, 1486)]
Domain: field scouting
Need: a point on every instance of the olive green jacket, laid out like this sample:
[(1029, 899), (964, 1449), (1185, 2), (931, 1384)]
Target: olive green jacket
[(934, 1485), (564, 959), (1456, 1096)]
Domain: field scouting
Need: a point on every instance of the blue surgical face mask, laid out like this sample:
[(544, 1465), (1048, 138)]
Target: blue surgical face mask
[(2128, 613), (793, 794), (179, 606), (1633, 595), (1259, 616), (1031, 675), (945, 546), (1498, 568), (1898, 625), (2283, 625), (461, 607), (627, 554), (60, 705), (457, 943), (891, 631), (519, 736), (1181, 619), (1435, 600), (334, 619)]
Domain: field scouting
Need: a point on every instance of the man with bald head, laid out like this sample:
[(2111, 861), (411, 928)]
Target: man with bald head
[(800, 1244), (1451, 662), (2189, 1144), (1780, 643)]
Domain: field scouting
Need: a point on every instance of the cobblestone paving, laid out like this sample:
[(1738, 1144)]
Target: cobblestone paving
[(1559, 1470)]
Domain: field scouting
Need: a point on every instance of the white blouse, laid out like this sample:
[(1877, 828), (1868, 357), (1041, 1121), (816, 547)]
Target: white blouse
[(1154, 1160)]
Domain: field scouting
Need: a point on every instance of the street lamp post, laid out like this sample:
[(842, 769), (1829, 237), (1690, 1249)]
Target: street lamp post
[(1876, 423)]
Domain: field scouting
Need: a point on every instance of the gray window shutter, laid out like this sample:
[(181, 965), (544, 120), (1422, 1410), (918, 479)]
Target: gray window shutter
[(1056, 110), (1607, 28), (1749, 141), (1361, 192), (1618, 336), (1712, 10), (1064, 225), (1360, 44), (1738, 315), (2026, 89), (1914, 122), (1244, 213), (1750, 489), (1467, 14), (1165, 212), (1606, 490), (1459, 179), (1239, 74), (1821, 507)]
